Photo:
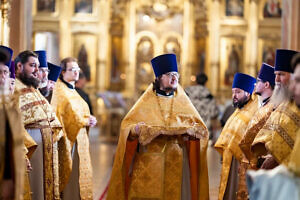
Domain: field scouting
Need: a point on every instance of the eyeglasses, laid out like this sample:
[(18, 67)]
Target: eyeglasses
[(74, 69), (171, 74)]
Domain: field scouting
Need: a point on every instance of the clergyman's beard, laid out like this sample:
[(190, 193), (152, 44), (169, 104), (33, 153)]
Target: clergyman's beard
[(44, 91), (43, 83), (240, 103), (258, 93), (4, 88), (169, 89), (28, 80), (280, 94)]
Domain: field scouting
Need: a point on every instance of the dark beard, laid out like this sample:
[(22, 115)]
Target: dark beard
[(258, 93), (240, 104), (44, 91), (29, 81), (169, 89)]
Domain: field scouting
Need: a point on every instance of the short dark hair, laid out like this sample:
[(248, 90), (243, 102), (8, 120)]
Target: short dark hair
[(156, 83), (295, 61), (201, 79), (271, 86), (63, 64), (23, 57)]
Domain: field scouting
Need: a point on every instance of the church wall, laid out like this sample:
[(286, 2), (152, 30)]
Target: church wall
[(201, 30)]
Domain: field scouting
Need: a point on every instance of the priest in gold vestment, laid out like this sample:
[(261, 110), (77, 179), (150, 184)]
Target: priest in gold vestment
[(42, 125), (282, 182), (228, 142), (12, 150), (294, 163), (264, 88), (276, 139), (161, 152), (74, 114)]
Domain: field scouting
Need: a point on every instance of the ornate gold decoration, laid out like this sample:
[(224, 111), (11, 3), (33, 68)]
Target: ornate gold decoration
[(200, 10), (144, 72), (282, 132), (161, 9), (166, 122), (4, 7)]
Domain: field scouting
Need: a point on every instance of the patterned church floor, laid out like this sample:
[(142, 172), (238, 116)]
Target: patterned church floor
[(102, 151)]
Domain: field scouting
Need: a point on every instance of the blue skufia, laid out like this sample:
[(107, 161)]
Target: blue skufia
[(244, 82), (54, 72), (42, 58), (266, 73), (6, 55), (283, 60), (164, 63)]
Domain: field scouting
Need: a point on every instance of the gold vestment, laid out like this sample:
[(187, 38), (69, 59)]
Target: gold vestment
[(37, 113), (157, 173), (256, 123), (74, 113), (294, 163), (10, 116), (279, 133), (228, 142)]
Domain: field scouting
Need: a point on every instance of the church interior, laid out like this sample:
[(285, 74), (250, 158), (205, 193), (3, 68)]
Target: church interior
[(114, 41)]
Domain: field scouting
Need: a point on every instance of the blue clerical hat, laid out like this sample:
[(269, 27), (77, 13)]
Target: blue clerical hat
[(283, 60), (6, 54), (42, 58), (244, 82), (266, 73), (54, 72), (164, 63), (12, 70)]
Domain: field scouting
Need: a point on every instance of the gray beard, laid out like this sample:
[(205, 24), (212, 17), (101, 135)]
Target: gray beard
[(43, 83), (280, 94), (4, 89)]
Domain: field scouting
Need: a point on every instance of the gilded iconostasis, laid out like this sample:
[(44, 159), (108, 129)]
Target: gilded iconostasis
[(114, 40)]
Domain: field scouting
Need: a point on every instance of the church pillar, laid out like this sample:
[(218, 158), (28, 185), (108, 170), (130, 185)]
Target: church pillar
[(214, 45), (4, 28), (20, 23), (188, 52), (65, 34), (129, 47), (290, 20), (252, 39), (103, 74)]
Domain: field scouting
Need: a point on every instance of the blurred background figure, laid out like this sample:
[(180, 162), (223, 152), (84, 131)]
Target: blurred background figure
[(79, 85), (204, 102)]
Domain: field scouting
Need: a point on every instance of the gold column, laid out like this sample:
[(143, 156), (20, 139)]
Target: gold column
[(129, 47), (65, 29), (188, 53), (20, 24), (290, 24), (4, 28), (214, 45), (103, 74), (252, 39)]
